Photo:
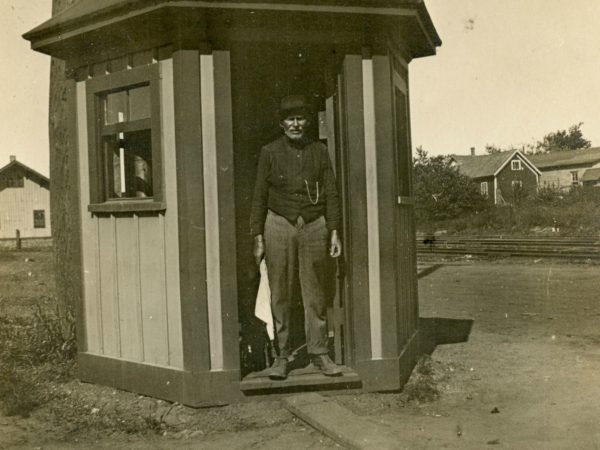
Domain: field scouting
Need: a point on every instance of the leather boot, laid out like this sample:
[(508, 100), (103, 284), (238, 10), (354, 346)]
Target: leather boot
[(278, 370), (326, 366)]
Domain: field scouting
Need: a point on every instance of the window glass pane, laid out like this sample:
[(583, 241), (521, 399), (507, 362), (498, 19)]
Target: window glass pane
[(115, 107), (39, 218), (139, 103), (128, 162)]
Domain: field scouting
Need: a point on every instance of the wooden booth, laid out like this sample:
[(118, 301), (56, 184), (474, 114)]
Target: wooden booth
[(171, 101)]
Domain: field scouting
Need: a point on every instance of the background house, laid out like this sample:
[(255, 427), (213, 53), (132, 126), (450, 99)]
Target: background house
[(24, 201), (502, 177), (567, 168)]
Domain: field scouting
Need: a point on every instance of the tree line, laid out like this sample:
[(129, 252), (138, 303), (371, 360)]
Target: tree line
[(442, 193), (557, 141)]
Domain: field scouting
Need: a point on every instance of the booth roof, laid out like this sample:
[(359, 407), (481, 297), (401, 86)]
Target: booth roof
[(88, 10)]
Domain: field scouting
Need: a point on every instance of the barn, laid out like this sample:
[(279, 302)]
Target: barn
[(24, 202), (170, 103)]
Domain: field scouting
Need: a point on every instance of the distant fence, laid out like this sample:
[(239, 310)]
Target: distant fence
[(17, 243)]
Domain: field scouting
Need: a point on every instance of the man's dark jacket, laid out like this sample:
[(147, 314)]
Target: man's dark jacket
[(294, 180)]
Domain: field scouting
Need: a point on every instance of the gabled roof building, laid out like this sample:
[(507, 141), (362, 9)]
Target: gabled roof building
[(24, 201), (501, 176)]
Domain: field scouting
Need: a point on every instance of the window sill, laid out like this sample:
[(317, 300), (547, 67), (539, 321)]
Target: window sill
[(127, 206)]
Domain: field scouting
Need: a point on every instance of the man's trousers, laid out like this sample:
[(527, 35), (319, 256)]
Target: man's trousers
[(302, 246)]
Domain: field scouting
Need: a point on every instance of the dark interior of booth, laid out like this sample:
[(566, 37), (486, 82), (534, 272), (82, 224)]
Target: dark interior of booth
[(261, 75)]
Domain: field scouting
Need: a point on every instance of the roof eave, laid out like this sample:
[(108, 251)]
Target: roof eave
[(53, 37), (11, 164)]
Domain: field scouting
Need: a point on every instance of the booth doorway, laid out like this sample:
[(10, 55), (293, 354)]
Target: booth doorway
[(261, 74)]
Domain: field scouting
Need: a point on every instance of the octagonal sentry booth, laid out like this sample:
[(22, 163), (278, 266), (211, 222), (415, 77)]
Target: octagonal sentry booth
[(171, 102)]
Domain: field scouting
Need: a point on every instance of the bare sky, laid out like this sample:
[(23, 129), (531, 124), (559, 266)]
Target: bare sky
[(508, 73), (24, 80)]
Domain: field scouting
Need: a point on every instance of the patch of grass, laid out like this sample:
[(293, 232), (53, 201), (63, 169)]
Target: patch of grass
[(422, 386), (34, 351)]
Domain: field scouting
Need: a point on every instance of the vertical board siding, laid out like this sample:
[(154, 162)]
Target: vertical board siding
[(138, 276), (211, 212), (408, 313), (170, 224), (153, 292), (386, 177), (227, 225), (89, 236), (108, 291), (131, 262), (370, 156), (128, 283), (405, 288), (412, 236), (357, 218), (190, 200), (345, 286), (414, 294)]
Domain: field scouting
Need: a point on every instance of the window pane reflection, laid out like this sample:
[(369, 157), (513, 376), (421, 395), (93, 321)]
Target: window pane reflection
[(127, 105), (139, 103), (115, 107), (128, 163)]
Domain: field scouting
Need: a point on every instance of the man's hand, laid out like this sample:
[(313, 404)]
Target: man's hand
[(259, 248), (335, 246)]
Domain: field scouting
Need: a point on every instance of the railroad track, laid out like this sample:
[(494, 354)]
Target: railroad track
[(572, 248)]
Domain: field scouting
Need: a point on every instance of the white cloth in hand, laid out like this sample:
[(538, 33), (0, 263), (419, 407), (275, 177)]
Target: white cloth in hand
[(262, 309)]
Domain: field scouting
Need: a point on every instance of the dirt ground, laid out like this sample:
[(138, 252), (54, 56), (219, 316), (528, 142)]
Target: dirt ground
[(528, 377)]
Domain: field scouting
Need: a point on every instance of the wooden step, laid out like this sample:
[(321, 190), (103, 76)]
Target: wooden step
[(305, 379)]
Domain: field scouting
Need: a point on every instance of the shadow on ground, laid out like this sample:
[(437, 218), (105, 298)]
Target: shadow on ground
[(439, 331)]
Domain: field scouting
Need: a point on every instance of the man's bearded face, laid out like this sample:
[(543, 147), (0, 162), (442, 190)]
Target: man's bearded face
[(294, 127)]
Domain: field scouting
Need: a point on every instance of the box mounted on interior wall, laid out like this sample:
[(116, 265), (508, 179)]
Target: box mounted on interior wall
[(171, 104)]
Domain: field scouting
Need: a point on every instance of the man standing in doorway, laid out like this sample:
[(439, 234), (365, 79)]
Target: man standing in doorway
[(294, 220)]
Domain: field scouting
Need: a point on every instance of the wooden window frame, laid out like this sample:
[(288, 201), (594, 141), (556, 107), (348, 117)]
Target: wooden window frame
[(517, 183), (575, 178), (482, 191), (95, 89), (35, 223), (518, 164)]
